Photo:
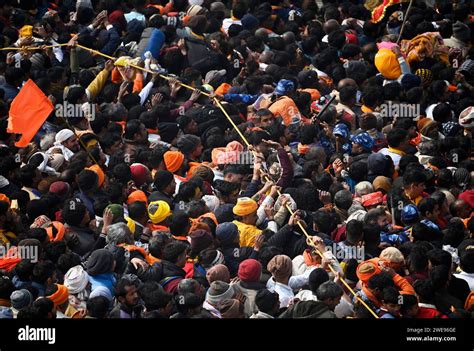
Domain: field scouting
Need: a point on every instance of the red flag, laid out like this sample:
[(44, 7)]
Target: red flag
[(28, 111)]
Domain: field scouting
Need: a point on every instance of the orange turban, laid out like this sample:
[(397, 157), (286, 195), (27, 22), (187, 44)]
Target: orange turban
[(245, 206), (367, 270), (315, 94), (100, 173), (173, 160), (387, 63), (223, 88), (137, 196), (60, 230), (5, 198), (60, 296)]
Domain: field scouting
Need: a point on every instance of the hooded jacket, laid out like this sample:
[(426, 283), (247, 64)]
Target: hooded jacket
[(308, 309)]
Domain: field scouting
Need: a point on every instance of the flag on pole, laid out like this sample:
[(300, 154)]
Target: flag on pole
[(28, 111), (379, 12)]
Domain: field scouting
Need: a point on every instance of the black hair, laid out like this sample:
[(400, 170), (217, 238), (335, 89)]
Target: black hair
[(120, 288), (325, 221), (266, 300), (354, 231), (427, 205), (137, 210), (154, 296), (424, 290), (391, 295), (43, 271), (73, 212), (396, 136), (467, 261), (173, 250), (98, 307), (380, 281), (68, 260), (421, 232), (413, 176), (54, 250), (24, 270), (316, 278)]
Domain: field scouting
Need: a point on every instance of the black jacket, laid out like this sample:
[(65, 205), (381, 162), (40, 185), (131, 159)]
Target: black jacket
[(308, 309)]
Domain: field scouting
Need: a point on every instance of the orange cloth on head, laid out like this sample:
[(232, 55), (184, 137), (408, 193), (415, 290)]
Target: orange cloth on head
[(387, 63), (5, 198), (315, 94), (60, 296), (308, 259), (173, 160), (100, 173), (223, 89), (137, 196), (60, 231), (367, 270), (245, 206)]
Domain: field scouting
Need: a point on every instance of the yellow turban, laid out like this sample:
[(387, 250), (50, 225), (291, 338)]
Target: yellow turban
[(245, 206), (158, 211), (26, 31), (387, 63), (131, 224)]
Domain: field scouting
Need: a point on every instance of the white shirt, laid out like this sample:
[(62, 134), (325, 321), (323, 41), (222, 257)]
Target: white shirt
[(285, 293), (227, 22), (395, 157), (468, 277)]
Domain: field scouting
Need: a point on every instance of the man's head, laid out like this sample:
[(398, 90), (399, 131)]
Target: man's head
[(175, 252), (246, 209), (429, 209), (460, 208), (267, 302), (391, 301), (378, 282), (414, 182), (126, 291), (398, 138), (136, 131), (234, 174), (156, 298), (265, 118), (377, 216), (343, 199), (74, 213), (330, 293)]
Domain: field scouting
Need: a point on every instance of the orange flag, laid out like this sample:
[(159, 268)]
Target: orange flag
[(28, 111)]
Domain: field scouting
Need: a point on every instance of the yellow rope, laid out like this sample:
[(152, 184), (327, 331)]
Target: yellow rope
[(218, 103), (26, 48)]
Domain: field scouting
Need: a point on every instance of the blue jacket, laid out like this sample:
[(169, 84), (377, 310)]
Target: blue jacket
[(156, 41), (106, 279)]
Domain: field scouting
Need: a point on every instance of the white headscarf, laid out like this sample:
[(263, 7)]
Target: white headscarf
[(60, 138), (43, 167)]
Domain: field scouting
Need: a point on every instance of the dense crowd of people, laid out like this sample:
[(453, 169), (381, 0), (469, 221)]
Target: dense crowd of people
[(138, 197)]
